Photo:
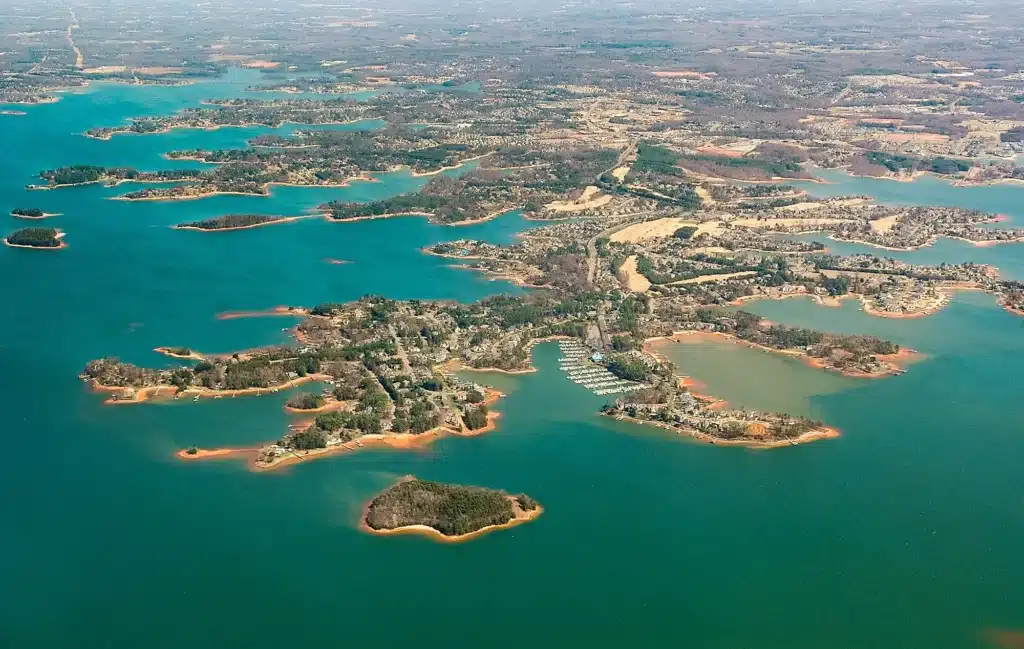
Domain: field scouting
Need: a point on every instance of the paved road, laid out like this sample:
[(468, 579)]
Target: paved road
[(602, 326)]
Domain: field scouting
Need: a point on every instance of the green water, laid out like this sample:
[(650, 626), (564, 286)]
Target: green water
[(750, 378), (904, 532)]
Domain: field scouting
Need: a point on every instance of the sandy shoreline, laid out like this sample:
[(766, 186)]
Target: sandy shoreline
[(45, 215), (204, 454), (61, 244), (169, 351), (296, 312), (329, 406)]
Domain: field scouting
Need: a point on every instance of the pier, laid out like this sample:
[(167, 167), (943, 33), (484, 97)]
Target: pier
[(575, 362)]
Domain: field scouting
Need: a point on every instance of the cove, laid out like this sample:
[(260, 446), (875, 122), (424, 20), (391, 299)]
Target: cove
[(903, 532)]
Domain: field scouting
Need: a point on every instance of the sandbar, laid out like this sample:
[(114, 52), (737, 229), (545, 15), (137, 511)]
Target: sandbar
[(295, 312), (202, 453)]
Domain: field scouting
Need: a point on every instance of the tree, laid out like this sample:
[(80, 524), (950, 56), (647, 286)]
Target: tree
[(685, 232), (305, 401), (308, 439), (629, 368), (476, 418)]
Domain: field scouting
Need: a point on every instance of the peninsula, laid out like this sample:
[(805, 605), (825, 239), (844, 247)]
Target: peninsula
[(236, 222), (445, 512)]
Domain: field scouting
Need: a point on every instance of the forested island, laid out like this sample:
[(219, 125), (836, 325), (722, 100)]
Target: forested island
[(30, 213), (44, 238), (234, 222), (89, 174), (445, 512)]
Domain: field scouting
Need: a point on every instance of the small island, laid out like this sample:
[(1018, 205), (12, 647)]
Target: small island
[(41, 238), (306, 402), (30, 213), (445, 512), (235, 222), (179, 352)]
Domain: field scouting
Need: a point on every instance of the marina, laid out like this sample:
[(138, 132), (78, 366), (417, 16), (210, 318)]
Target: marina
[(580, 366)]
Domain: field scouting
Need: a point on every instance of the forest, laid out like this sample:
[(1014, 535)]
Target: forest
[(229, 221), (452, 510), (34, 238)]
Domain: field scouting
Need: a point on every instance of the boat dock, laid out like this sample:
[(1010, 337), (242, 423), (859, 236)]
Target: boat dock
[(578, 368)]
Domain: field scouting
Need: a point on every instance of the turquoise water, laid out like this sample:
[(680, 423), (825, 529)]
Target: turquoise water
[(1008, 258), (1002, 198), (1006, 199), (904, 532)]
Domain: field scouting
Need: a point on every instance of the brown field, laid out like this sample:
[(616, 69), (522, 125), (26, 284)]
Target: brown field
[(662, 228)]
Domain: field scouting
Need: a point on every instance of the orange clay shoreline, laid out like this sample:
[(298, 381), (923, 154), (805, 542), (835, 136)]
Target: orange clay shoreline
[(1010, 309), (456, 365), (691, 384), (898, 359), (399, 441), (520, 516), (330, 405), (153, 392), (810, 436)]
